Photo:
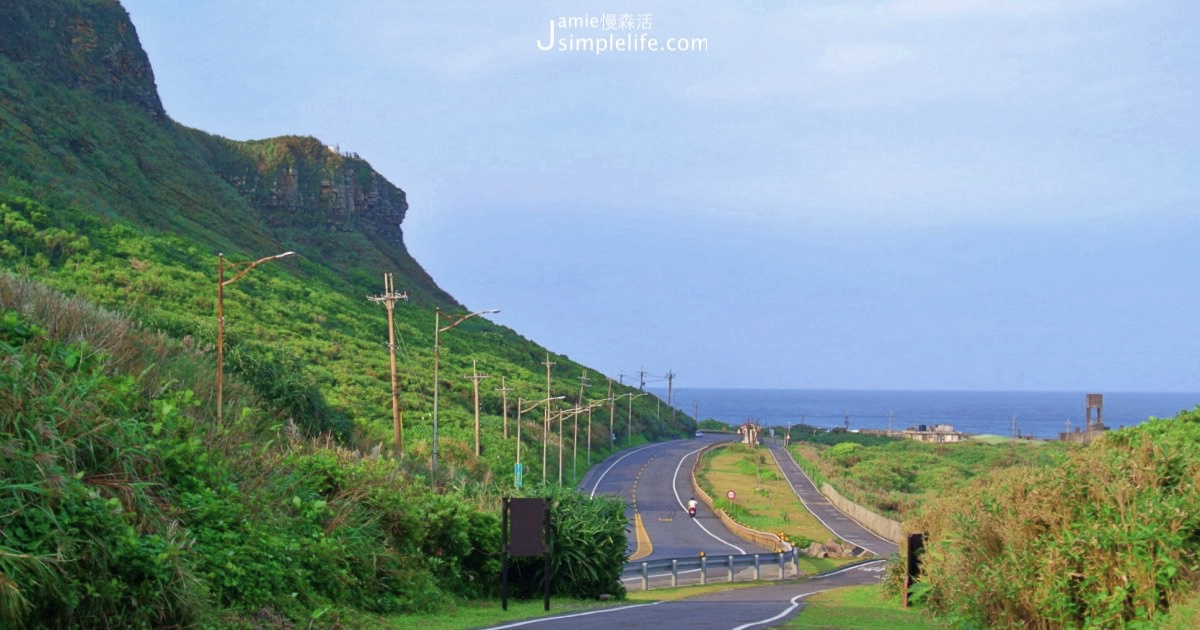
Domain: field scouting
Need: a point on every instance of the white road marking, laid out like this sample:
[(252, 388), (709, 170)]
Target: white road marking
[(617, 461), (787, 611), (675, 489), (530, 622)]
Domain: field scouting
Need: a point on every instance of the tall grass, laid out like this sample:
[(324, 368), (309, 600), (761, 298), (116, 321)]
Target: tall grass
[(1110, 538)]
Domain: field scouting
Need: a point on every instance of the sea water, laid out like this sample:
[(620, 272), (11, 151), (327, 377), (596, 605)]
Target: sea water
[(1030, 414)]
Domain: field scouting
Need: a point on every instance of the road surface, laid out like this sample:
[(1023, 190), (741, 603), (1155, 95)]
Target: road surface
[(738, 609), (655, 482)]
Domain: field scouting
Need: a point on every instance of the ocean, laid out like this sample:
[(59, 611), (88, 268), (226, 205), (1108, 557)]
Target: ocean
[(1036, 414)]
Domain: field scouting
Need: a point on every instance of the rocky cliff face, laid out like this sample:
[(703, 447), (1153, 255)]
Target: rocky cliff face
[(80, 113), (298, 182), (89, 45)]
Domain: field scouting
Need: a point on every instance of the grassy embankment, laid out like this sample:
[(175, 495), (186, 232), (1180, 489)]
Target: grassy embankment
[(1040, 534), (895, 476), (764, 500)]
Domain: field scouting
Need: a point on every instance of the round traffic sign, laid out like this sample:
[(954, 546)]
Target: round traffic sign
[(731, 495)]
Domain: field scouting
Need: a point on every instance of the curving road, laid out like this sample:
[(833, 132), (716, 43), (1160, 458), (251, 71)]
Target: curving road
[(835, 521), (738, 609), (655, 482)]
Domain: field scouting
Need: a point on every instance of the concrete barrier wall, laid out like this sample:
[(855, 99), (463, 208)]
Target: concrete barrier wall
[(763, 539), (882, 526)]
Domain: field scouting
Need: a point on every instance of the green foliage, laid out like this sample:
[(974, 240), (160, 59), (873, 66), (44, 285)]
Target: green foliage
[(1109, 538), (894, 476), (588, 547), (124, 500), (79, 538)]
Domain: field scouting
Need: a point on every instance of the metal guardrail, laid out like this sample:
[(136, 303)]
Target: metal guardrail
[(701, 569)]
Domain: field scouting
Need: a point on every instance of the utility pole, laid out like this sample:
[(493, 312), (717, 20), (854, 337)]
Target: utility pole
[(475, 377), (642, 380), (670, 392), (504, 402), (389, 298), (546, 424)]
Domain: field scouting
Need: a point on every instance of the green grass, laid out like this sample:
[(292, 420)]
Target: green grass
[(895, 476), (475, 614), (764, 500), (859, 608)]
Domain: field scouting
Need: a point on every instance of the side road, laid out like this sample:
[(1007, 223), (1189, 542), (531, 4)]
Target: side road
[(841, 525)]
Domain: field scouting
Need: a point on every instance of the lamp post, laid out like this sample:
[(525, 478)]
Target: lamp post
[(221, 282), (520, 410), (438, 329), (629, 430), (575, 439)]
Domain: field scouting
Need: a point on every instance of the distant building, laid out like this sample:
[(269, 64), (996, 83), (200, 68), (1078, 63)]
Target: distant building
[(749, 432), (1093, 428), (937, 433)]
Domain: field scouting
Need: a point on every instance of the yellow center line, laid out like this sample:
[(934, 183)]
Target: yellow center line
[(644, 546)]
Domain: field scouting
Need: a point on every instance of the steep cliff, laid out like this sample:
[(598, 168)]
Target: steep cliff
[(89, 45), (105, 197), (81, 122)]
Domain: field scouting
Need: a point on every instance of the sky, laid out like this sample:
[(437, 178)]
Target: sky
[(863, 194)]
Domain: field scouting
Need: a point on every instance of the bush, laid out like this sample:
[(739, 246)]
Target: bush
[(1109, 538)]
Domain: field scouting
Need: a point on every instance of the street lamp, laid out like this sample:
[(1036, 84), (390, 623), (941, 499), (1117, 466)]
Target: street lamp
[(629, 430), (522, 409), (438, 329), (221, 282)]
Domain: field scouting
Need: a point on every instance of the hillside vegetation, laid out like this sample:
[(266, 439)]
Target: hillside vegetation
[(1108, 538), (1050, 535), (121, 497), (894, 476), (121, 500), (106, 198)]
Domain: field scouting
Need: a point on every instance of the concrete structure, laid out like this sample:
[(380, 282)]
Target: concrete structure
[(938, 433)]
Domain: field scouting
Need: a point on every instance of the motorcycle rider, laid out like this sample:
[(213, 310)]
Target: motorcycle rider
[(692, 506)]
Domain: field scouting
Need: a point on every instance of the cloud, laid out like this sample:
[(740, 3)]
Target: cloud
[(853, 59)]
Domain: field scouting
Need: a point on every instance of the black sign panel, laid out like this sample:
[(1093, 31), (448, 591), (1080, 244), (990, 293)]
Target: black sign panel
[(528, 519)]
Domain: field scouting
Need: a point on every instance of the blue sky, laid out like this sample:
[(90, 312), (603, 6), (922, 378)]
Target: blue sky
[(868, 194)]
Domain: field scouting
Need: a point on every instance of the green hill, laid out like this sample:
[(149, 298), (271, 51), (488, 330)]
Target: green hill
[(118, 487), (106, 198)]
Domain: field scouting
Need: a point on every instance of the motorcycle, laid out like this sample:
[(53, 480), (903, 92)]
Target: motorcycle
[(692, 511)]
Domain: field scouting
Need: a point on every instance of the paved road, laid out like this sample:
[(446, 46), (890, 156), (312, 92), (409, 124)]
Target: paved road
[(655, 482), (739, 609), (843, 526)]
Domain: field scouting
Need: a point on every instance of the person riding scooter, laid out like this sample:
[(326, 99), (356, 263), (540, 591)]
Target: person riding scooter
[(692, 507)]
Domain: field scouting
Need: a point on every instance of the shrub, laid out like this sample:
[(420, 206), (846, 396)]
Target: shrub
[(1109, 538)]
